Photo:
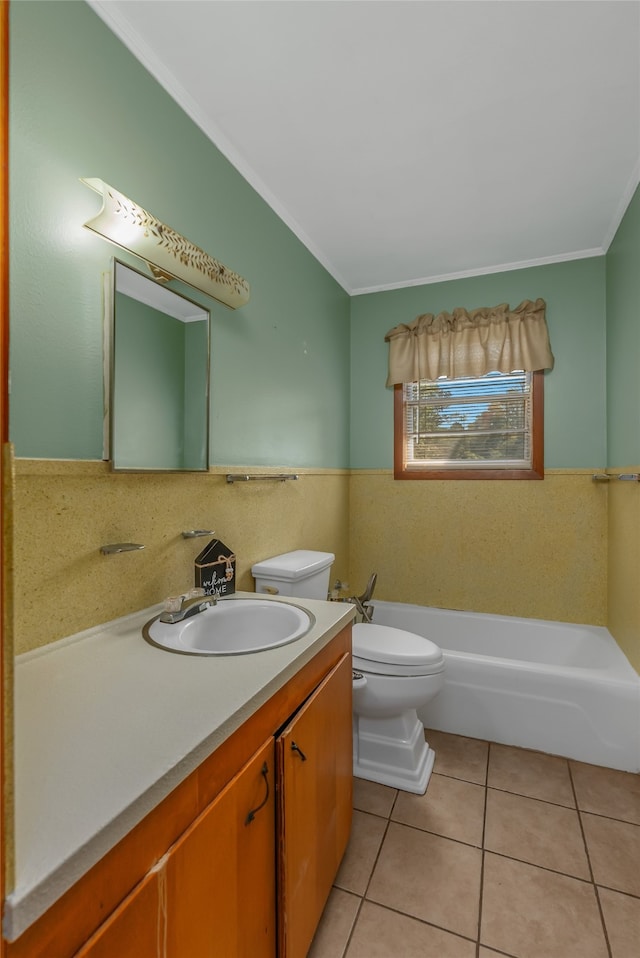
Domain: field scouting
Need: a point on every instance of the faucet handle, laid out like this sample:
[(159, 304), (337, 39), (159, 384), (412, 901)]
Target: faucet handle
[(194, 593), (175, 603)]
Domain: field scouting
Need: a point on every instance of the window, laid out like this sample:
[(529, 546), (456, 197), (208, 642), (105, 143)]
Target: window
[(486, 427)]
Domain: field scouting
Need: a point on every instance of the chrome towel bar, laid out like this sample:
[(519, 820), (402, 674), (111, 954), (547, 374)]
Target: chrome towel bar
[(282, 477), (625, 476)]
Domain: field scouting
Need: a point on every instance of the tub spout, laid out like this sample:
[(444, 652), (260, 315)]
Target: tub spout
[(361, 602)]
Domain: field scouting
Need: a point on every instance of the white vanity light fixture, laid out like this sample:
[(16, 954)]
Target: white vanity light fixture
[(167, 253)]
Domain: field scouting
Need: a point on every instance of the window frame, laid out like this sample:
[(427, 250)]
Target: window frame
[(402, 471)]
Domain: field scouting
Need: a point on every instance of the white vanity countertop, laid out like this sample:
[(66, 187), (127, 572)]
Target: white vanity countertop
[(106, 726)]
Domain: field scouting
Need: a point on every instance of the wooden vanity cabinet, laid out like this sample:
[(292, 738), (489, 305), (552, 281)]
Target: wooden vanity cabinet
[(220, 887), (213, 893), (315, 775), (247, 875), (132, 931)]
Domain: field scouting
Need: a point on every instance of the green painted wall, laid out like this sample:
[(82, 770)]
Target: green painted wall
[(281, 365), (575, 413), (81, 105), (623, 340)]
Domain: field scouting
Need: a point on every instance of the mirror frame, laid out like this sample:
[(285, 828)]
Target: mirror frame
[(109, 338)]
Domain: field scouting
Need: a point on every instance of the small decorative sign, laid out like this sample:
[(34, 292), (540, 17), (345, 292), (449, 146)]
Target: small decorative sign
[(215, 569)]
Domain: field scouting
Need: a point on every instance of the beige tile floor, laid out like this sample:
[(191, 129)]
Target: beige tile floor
[(509, 852)]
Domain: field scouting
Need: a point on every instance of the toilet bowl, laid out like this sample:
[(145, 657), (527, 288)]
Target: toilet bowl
[(395, 673)]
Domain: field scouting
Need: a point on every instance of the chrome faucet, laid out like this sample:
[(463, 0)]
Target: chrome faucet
[(189, 606)]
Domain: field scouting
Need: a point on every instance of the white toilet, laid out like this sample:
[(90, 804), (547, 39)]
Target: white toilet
[(395, 673), (303, 573), (400, 672)]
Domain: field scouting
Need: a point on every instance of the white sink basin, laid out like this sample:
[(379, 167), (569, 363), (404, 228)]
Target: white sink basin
[(232, 627)]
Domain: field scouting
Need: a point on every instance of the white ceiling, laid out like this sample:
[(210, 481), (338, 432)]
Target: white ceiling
[(406, 141)]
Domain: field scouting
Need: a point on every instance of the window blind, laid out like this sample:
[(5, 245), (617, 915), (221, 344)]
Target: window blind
[(469, 423)]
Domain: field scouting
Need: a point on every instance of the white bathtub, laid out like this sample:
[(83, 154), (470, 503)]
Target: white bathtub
[(560, 688)]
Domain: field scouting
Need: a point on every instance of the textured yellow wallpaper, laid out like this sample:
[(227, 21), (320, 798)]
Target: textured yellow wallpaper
[(65, 510), (624, 565), (533, 548)]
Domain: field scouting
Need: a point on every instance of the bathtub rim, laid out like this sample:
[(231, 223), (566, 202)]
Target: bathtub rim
[(620, 670)]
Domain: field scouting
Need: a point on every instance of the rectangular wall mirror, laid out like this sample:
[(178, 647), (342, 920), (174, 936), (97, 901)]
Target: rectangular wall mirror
[(157, 412)]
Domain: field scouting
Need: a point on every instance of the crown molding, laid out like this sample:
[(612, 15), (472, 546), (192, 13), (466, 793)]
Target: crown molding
[(623, 206), (483, 271)]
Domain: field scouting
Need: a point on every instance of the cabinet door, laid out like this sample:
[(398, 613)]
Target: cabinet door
[(136, 927), (220, 875), (315, 768)]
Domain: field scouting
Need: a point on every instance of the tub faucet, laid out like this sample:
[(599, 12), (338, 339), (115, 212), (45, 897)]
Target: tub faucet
[(190, 605), (361, 602)]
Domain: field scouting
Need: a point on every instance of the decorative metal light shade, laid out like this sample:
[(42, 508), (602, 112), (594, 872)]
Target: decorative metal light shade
[(168, 254)]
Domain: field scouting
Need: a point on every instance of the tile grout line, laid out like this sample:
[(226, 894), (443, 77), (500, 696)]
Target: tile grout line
[(428, 924), (533, 798), (618, 891), (482, 852), (586, 849), (546, 801), (373, 868), (542, 868), (609, 818), (353, 928)]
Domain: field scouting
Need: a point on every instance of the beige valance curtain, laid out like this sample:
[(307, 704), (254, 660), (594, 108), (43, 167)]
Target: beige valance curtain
[(490, 339)]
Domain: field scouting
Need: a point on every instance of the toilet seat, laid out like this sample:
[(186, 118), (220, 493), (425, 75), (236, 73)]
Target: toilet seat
[(383, 650)]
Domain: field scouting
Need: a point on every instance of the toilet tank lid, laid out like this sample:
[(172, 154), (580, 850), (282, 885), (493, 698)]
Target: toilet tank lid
[(293, 565), (381, 643)]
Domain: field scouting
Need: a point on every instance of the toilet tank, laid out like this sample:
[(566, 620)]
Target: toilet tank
[(302, 573)]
